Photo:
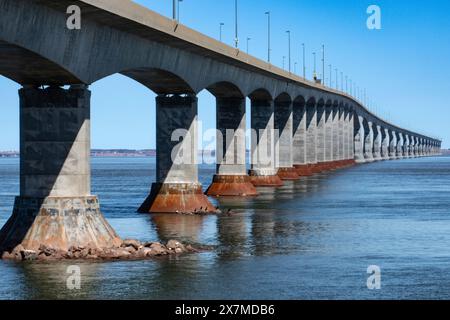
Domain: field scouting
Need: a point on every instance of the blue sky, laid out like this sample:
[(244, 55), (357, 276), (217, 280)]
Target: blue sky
[(404, 67)]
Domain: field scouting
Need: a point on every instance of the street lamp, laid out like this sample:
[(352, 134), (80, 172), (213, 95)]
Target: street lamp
[(342, 81), (314, 71), (284, 62), (268, 36), (174, 9), (220, 27), (289, 49), (295, 67), (178, 10), (248, 40)]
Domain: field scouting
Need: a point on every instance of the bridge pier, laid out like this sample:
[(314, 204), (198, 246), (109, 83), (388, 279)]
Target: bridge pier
[(311, 137), (321, 138), (177, 189), (377, 143), (231, 177), (399, 148), (284, 128), (385, 144), (341, 151), (299, 139), (359, 139), (55, 207), (406, 147), (368, 142), (351, 134), (392, 145), (264, 172), (328, 132)]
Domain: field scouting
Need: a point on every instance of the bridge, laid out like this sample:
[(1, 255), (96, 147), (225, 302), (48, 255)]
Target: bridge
[(300, 127)]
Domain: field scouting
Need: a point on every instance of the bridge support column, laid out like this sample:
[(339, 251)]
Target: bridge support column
[(346, 161), (177, 189), (384, 144), (412, 146), (231, 177), (406, 147), (377, 143), (321, 141), (328, 132), (311, 137), (399, 148), (421, 147), (359, 139), (55, 207), (264, 170), (299, 140), (392, 145), (284, 152), (351, 135), (335, 135), (368, 142), (341, 120)]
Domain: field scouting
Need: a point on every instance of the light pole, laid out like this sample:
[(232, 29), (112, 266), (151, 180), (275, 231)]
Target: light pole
[(289, 49), (284, 62), (295, 67), (314, 71), (342, 81), (220, 32), (304, 62), (351, 87), (248, 40), (174, 9), (268, 36), (236, 37)]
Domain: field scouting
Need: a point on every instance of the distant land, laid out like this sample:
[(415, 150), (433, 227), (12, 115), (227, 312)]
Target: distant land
[(123, 153)]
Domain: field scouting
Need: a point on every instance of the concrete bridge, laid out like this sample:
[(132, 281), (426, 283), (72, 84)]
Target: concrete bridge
[(301, 128)]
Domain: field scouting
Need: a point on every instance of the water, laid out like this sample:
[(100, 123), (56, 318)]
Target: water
[(312, 239)]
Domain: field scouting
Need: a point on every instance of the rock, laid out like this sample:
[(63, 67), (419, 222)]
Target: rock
[(131, 243), (29, 255), (7, 256), (176, 246), (158, 249), (46, 250)]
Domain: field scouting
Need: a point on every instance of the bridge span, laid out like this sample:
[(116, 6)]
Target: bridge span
[(301, 128)]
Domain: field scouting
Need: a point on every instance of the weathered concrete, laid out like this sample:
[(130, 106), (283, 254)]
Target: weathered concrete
[(359, 139), (311, 135), (321, 135), (385, 144), (55, 207), (341, 133), (335, 134), (299, 140), (406, 147), (329, 132), (368, 141), (231, 178), (392, 145), (264, 170), (177, 189), (399, 148), (377, 142), (284, 142)]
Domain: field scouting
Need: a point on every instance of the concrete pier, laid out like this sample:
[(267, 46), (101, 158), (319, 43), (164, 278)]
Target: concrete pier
[(299, 140), (264, 172), (399, 148), (329, 135), (341, 156), (385, 144), (377, 143), (359, 139), (335, 134), (311, 136), (368, 141), (55, 207), (321, 137), (231, 177), (177, 189), (284, 142), (406, 147)]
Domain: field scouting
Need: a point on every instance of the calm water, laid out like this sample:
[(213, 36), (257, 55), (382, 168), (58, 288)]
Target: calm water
[(312, 239)]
